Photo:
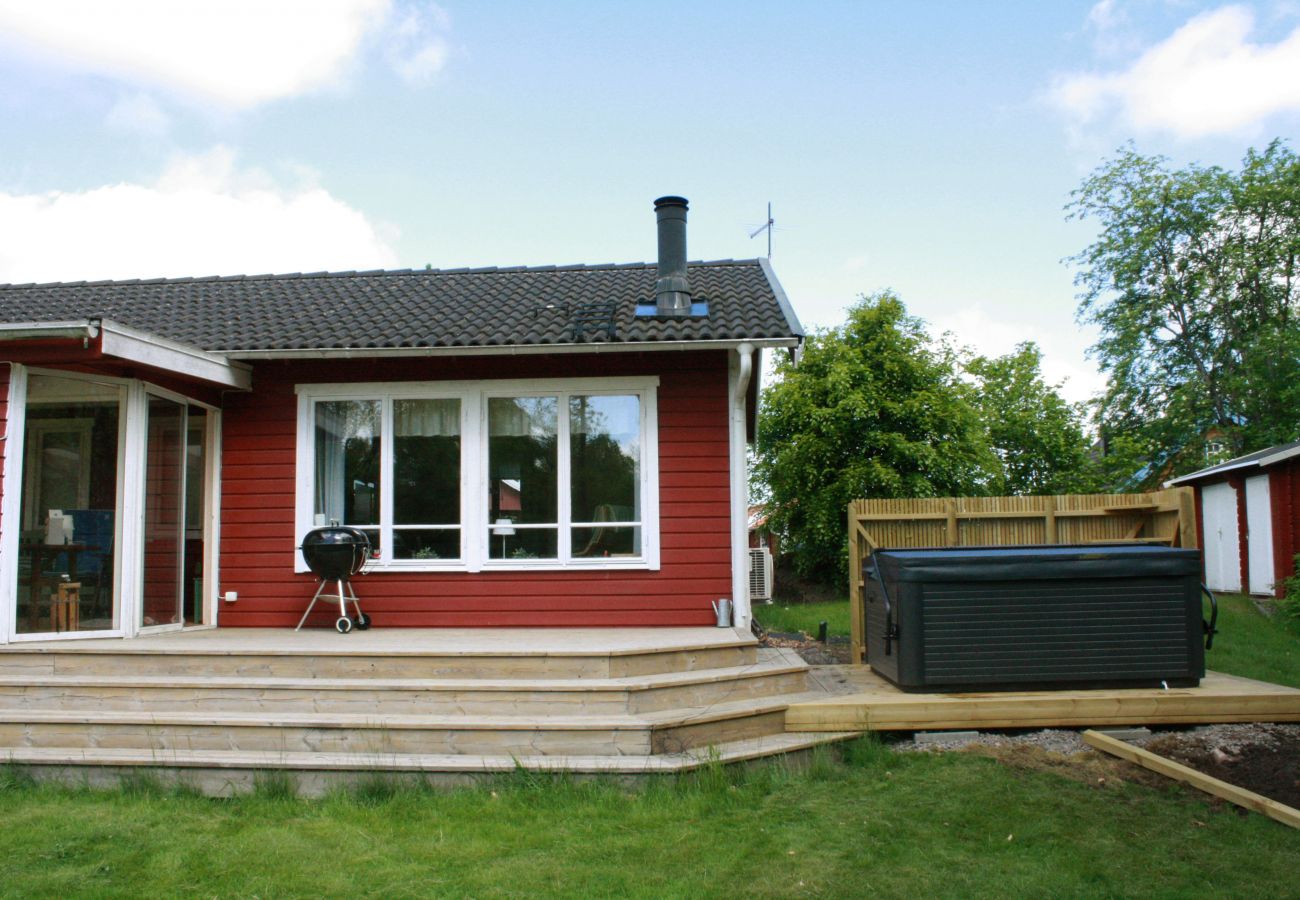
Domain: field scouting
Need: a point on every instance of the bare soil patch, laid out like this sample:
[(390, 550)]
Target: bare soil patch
[(834, 652), (1260, 758)]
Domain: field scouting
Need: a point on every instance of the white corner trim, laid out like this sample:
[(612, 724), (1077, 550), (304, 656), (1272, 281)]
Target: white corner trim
[(10, 502), (740, 371)]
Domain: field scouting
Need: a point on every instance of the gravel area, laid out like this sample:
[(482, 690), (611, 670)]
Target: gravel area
[(1229, 739)]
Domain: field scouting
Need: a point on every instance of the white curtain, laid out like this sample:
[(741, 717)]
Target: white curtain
[(426, 418)]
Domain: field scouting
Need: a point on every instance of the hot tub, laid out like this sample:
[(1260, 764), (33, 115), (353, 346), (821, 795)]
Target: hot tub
[(1028, 618)]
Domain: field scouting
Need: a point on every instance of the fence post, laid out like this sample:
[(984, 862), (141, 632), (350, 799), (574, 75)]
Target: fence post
[(1049, 514), (1187, 517), (951, 508), (857, 633)]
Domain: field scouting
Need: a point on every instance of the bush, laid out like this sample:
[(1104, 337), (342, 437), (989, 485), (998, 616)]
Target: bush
[(1290, 602)]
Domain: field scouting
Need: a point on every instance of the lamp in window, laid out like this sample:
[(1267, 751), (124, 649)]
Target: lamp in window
[(504, 527)]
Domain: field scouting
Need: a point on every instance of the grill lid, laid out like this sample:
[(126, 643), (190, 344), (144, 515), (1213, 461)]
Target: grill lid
[(336, 551)]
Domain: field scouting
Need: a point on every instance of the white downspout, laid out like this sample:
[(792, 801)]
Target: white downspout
[(741, 373)]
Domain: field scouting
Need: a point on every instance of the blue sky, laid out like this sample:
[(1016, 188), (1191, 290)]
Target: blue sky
[(924, 147)]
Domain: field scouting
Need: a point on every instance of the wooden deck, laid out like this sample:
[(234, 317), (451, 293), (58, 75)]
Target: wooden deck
[(216, 707), (865, 701)]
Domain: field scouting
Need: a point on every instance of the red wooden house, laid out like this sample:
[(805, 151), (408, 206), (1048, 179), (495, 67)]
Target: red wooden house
[(551, 446)]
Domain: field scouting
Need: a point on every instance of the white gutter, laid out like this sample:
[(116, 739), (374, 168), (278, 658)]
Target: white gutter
[(87, 329), (515, 350), (740, 375)]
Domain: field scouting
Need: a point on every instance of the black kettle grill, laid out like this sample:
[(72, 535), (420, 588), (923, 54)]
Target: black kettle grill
[(336, 553)]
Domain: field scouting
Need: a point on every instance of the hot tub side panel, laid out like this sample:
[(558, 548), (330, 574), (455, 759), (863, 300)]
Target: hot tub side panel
[(1002, 623)]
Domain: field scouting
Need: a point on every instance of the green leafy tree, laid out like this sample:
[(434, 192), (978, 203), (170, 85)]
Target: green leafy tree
[(1037, 437), (1193, 283), (874, 409)]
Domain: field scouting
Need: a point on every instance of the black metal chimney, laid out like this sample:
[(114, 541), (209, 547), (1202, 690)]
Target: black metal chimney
[(672, 292)]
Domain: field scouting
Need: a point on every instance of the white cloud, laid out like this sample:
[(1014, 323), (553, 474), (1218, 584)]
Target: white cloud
[(138, 114), (416, 45), (1105, 15), (1064, 358), (1206, 78), (235, 53), (203, 216)]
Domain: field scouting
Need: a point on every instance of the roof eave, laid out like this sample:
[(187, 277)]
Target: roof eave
[(140, 347), (508, 349)]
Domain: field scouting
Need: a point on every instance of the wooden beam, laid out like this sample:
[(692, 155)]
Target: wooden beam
[(1049, 520), (857, 632), (1240, 796), (952, 524), (1187, 517)]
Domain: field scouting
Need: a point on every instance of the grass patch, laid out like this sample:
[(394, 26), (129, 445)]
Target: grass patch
[(866, 821), (805, 617), (1254, 645)]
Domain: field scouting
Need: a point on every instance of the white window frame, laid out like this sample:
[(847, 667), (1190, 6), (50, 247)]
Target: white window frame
[(474, 524), (128, 550)]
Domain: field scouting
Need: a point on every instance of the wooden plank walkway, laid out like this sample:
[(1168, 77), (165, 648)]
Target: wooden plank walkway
[(870, 703)]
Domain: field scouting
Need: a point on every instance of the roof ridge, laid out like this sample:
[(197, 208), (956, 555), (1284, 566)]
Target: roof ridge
[(369, 273)]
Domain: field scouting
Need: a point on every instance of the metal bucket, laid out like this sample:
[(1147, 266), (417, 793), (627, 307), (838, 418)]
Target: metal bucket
[(722, 609)]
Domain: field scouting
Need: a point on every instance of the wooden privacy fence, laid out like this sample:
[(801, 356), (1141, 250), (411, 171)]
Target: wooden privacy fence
[(1159, 517)]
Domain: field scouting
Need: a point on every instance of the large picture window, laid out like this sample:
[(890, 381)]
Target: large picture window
[(480, 475)]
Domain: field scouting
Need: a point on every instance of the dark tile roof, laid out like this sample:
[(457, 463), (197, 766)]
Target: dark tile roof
[(415, 308)]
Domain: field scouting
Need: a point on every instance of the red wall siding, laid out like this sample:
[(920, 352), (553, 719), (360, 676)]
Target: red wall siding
[(1284, 494), (257, 531)]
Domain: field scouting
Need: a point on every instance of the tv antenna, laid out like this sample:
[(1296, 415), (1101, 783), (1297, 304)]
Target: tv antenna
[(766, 226)]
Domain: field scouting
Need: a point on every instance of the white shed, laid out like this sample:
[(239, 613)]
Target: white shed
[(1248, 519)]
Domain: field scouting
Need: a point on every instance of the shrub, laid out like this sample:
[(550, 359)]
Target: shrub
[(1290, 602)]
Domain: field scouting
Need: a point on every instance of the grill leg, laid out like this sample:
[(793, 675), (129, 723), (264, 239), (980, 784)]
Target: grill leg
[(343, 601), (356, 603), (310, 605)]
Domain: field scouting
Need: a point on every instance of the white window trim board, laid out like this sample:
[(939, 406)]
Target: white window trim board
[(475, 527)]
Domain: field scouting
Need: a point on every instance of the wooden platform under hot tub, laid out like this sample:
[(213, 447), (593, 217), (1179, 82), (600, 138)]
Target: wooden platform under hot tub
[(865, 701)]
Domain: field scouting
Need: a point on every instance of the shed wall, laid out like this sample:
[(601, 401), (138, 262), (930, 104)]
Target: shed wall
[(1284, 491), (257, 530)]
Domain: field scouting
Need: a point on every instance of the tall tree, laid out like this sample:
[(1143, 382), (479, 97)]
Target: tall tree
[(874, 409), (1193, 283), (1038, 438)]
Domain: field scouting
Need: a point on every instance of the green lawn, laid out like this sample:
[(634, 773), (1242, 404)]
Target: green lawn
[(876, 823), (1254, 645), (804, 617)]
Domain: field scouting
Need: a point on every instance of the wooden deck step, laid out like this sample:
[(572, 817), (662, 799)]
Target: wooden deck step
[(122, 658), (772, 674), (227, 772), (878, 705), (170, 731)]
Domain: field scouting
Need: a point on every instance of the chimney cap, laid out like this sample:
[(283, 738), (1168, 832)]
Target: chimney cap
[(671, 200)]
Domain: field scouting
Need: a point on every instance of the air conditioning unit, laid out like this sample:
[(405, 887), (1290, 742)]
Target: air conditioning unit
[(760, 573)]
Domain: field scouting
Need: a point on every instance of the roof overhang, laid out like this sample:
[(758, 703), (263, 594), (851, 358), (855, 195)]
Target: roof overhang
[(509, 350), (103, 339), (1289, 453), (1258, 462)]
